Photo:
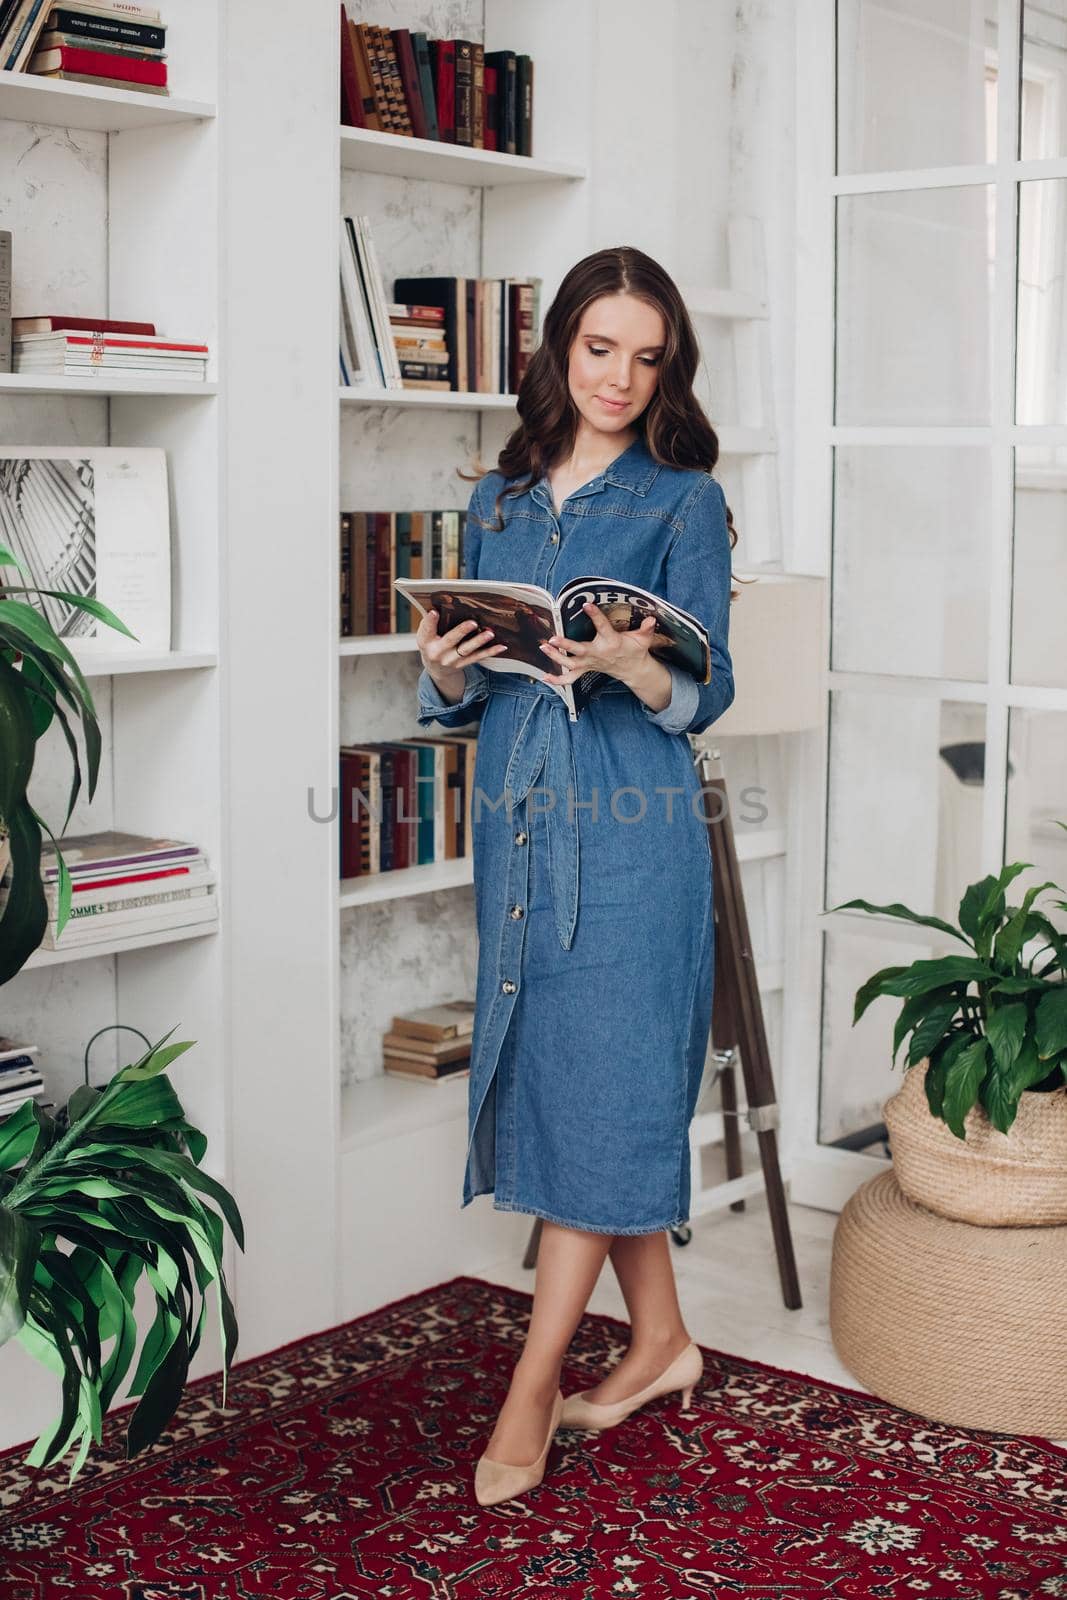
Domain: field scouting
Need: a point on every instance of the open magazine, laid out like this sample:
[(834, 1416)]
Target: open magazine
[(523, 614)]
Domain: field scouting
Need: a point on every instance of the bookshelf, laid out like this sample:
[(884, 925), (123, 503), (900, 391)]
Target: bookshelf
[(435, 208), (114, 212)]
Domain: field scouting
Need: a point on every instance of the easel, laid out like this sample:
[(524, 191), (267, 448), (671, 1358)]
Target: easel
[(737, 1030)]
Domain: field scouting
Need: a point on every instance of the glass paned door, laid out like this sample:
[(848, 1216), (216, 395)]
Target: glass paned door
[(947, 431)]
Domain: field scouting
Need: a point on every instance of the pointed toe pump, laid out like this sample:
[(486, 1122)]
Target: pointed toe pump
[(500, 1480), (684, 1373)]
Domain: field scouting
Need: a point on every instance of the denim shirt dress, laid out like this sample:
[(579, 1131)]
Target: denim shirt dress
[(592, 867)]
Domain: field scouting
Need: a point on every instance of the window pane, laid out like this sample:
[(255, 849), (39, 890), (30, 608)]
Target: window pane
[(905, 802), (1041, 365), (1037, 801), (857, 1075), (1038, 636), (914, 294), (913, 84), (911, 560), (1044, 80)]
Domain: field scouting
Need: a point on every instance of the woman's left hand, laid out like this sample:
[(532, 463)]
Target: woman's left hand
[(619, 654)]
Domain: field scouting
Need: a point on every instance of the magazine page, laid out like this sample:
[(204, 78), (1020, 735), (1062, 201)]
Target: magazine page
[(520, 614), (678, 637)]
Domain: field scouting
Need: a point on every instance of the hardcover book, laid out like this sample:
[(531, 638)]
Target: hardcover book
[(523, 614), (93, 522)]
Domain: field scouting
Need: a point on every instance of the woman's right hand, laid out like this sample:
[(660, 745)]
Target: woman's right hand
[(445, 655)]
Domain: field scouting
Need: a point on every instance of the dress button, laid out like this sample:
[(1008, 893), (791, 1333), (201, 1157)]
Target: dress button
[(508, 987), (516, 912), (520, 837), (553, 538)]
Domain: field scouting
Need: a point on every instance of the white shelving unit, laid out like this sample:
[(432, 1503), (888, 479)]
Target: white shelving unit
[(120, 218), (533, 218)]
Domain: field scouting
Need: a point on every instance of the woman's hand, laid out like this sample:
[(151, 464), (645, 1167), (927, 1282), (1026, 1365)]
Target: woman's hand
[(445, 655), (622, 655)]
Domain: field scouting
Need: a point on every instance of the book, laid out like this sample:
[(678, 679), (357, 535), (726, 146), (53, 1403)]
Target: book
[(21, 326), (451, 1019), (103, 83), (85, 23), (88, 853), (193, 913), (21, 34), (6, 322), (112, 10), (94, 520), (434, 1053), (99, 63), (403, 1069), (80, 41), (524, 614)]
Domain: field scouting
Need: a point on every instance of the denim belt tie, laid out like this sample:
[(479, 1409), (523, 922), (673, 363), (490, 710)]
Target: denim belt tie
[(544, 742)]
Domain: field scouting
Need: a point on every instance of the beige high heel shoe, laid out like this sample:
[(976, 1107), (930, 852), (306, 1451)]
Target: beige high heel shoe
[(684, 1373), (500, 1480)]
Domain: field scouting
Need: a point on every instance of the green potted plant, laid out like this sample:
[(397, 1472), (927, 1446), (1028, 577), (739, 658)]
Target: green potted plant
[(979, 1129), (116, 1196), (40, 683)]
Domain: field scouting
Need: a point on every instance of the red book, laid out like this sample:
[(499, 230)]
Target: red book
[(20, 326), (409, 78), (100, 64), (444, 88), (351, 99)]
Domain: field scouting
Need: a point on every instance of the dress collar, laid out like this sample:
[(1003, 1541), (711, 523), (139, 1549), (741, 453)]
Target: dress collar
[(635, 469)]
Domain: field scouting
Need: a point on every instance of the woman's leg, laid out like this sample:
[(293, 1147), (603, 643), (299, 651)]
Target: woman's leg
[(569, 1262), (643, 1266)]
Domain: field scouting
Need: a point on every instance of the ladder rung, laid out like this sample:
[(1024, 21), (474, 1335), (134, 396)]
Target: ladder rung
[(722, 1195)]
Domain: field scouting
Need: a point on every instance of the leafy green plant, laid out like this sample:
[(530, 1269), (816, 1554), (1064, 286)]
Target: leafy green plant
[(993, 1022), (85, 1215), (40, 683)]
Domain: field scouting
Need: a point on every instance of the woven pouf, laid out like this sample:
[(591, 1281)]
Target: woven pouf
[(962, 1324)]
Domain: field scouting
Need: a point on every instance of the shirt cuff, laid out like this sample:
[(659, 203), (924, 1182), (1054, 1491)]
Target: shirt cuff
[(680, 709), (433, 707)]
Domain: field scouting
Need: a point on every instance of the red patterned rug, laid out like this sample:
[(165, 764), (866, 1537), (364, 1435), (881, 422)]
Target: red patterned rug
[(342, 1468)]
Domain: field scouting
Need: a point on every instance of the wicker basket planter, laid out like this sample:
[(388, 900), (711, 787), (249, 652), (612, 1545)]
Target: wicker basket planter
[(960, 1324), (1014, 1179)]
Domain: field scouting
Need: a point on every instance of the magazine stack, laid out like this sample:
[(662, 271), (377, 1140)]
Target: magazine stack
[(432, 1043), (72, 347), (127, 885), (20, 1077)]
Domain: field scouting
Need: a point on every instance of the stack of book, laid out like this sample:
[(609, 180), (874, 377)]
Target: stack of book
[(20, 1079), (432, 1043), (115, 44), (406, 803), (421, 347), (474, 335), (378, 546), (126, 885), (67, 347), (452, 90)]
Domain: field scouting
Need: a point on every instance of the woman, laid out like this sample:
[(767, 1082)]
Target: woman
[(592, 864)]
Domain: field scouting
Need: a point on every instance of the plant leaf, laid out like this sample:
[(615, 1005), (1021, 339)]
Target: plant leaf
[(20, 1244), (962, 1081), (1005, 1028), (1050, 1030), (897, 910), (922, 976), (871, 990), (18, 1135)]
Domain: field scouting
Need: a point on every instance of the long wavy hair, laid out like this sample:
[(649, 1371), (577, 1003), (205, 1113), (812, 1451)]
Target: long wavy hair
[(673, 424)]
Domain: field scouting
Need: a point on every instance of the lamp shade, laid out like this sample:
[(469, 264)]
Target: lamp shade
[(776, 645)]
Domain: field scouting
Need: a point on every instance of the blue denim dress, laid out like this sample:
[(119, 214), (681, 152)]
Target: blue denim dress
[(592, 867)]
